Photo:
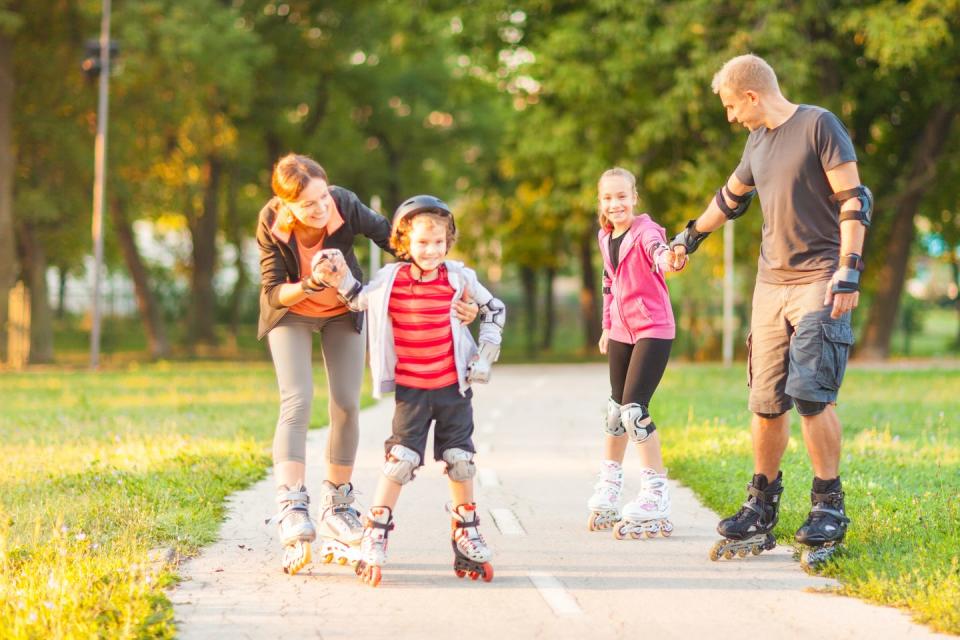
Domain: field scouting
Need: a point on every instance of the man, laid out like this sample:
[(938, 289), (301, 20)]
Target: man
[(801, 162)]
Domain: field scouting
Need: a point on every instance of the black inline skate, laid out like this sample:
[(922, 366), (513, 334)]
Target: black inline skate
[(825, 526), (748, 530)]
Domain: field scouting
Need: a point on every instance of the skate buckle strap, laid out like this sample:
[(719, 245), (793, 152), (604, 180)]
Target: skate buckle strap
[(286, 511), (830, 498), (761, 496), (826, 510), (464, 525)]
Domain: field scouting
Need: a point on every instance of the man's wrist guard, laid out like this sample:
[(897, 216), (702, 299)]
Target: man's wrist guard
[(689, 237), (847, 277)]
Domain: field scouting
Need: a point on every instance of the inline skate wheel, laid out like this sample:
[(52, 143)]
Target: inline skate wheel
[(487, 572), (715, 551)]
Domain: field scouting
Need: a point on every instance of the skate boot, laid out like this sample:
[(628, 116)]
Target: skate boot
[(295, 526), (604, 504), (471, 555), (377, 525), (825, 526), (340, 528), (748, 530), (649, 514)]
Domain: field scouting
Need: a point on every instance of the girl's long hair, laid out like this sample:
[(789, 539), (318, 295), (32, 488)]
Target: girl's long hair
[(610, 173)]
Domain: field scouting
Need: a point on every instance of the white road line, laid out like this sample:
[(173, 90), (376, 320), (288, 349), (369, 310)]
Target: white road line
[(553, 591), (488, 477), (507, 522)]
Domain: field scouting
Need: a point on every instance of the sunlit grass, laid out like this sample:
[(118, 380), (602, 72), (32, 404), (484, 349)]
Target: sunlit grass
[(100, 469), (900, 470)]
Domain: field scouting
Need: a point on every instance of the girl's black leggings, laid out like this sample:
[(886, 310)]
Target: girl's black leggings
[(636, 369)]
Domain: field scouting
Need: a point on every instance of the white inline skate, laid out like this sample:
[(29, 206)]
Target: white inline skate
[(649, 514), (295, 527), (604, 504), (340, 528), (471, 555), (377, 525)]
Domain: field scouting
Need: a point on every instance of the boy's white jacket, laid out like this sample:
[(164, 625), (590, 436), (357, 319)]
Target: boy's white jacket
[(375, 299)]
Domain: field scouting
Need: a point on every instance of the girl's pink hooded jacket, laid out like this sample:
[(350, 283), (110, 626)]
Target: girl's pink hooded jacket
[(636, 303)]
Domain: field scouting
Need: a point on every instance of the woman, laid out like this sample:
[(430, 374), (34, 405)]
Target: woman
[(305, 216)]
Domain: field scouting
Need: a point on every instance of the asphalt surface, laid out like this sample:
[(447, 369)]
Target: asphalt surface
[(539, 440)]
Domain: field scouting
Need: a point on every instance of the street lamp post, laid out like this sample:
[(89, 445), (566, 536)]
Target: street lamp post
[(100, 172)]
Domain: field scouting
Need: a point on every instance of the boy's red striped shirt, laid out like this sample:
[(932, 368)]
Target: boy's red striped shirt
[(420, 314)]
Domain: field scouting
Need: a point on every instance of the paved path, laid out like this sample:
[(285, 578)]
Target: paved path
[(538, 436)]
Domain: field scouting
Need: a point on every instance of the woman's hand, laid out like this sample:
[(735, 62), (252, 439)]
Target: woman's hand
[(466, 309), (604, 339)]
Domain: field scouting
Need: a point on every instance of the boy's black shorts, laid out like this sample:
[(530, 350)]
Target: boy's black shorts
[(417, 408)]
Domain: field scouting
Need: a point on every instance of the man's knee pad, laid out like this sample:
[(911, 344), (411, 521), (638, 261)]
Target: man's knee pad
[(612, 424), (401, 464), (771, 416), (460, 464), (809, 408), (637, 422)]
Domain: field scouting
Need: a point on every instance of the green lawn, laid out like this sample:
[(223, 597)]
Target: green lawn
[(900, 469), (101, 468)]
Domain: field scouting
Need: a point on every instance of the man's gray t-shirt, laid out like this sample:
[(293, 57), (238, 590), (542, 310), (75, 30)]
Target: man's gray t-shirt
[(788, 165)]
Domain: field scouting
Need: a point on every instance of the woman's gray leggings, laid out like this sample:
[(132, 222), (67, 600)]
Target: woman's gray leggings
[(291, 346)]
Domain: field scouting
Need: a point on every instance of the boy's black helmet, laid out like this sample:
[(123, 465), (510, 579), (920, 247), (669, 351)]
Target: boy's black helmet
[(420, 204)]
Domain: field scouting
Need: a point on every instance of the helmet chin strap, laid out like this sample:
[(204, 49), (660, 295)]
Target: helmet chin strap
[(419, 272)]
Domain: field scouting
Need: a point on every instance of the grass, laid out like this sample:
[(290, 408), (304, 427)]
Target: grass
[(101, 468), (900, 469)]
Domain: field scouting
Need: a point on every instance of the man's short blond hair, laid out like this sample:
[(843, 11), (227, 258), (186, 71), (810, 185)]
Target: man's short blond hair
[(746, 72)]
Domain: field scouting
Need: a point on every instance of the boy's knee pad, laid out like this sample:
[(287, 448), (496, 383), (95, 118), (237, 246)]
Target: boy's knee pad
[(460, 464), (612, 424), (401, 465), (637, 422), (809, 408)]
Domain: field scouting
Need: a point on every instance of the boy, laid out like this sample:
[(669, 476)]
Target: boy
[(426, 355)]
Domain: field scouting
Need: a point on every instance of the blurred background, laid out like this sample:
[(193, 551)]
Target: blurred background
[(510, 111)]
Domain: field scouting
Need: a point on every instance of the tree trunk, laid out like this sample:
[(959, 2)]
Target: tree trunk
[(62, 274), (147, 304), (237, 234), (528, 279), (589, 300), (41, 316), (549, 312), (8, 255), (875, 343), (203, 232)]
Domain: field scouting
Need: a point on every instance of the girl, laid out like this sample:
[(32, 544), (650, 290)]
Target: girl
[(638, 330), (306, 216)]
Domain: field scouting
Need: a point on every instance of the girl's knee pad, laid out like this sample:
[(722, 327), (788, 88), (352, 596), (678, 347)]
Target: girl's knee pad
[(637, 422), (612, 425)]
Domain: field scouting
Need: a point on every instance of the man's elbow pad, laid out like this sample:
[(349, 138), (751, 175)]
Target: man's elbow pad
[(743, 202), (864, 195)]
